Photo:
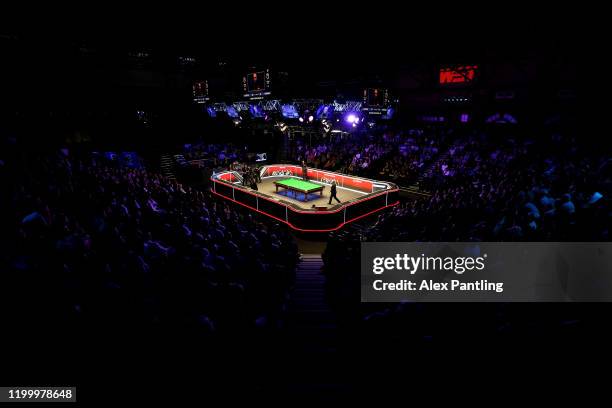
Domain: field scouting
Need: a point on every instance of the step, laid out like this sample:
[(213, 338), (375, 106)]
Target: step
[(311, 275), (311, 325), (315, 301), (312, 281), (319, 282)]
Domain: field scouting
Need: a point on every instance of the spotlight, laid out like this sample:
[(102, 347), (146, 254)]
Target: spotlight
[(301, 119), (310, 118), (351, 118)]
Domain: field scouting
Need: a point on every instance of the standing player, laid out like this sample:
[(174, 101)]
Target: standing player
[(333, 192), (304, 171)]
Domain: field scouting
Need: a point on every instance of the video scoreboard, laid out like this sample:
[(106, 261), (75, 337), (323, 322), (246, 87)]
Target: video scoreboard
[(376, 101), (200, 91), (257, 84)]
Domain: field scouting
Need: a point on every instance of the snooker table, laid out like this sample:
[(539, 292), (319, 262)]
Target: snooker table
[(299, 186)]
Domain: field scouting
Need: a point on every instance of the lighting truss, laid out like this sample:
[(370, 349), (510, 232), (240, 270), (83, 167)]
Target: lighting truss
[(219, 107), (349, 106), (241, 106), (307, 104), (271, 105)]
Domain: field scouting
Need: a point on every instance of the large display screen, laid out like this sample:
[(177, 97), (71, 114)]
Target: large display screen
[(200, 91), (289, 111), (324, 112), (376, 97), (256, 83), (461, 74)]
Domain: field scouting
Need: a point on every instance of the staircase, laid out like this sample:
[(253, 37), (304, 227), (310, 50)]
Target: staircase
[(167, 166), (312, 340), (310, 322)]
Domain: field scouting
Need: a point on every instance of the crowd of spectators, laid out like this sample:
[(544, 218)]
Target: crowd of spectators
[(411, 157), (217, 154), (510, 189), (124, 247), (487, 189), (523, 189), (395, 156)]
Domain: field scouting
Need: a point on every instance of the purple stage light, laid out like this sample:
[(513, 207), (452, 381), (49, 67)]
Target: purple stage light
[(351, 118)]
